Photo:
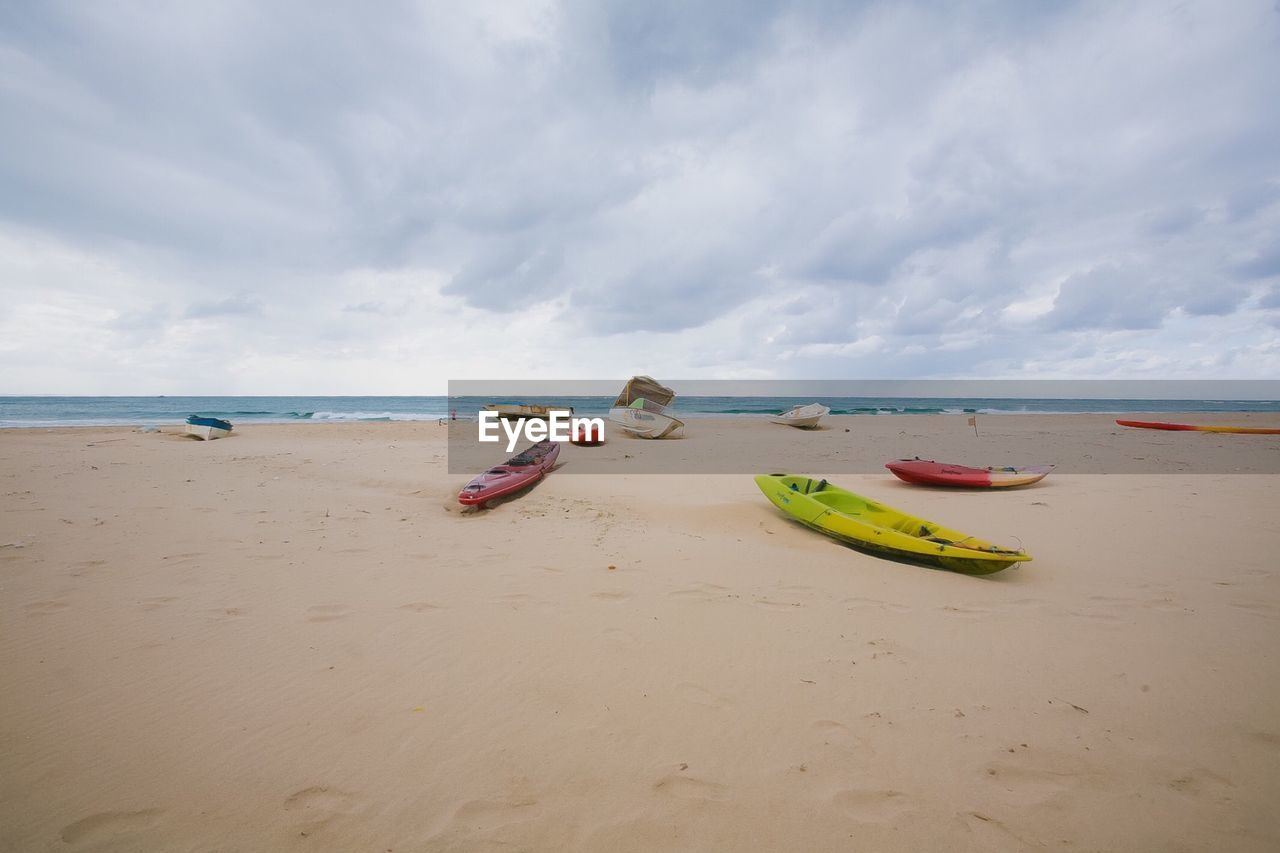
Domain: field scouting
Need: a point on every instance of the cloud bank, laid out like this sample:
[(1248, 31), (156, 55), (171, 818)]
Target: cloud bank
[(286, 198)]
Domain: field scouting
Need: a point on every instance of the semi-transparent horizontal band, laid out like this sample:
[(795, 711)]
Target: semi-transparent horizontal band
[(731, 426)]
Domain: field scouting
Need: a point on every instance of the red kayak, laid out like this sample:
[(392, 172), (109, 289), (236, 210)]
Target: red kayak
[(518, 472), (925, 472), (1196, 428)]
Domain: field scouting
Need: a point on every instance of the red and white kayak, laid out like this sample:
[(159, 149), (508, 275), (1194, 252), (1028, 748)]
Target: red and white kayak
[(519, 472), (925, 472), (1197, 428)]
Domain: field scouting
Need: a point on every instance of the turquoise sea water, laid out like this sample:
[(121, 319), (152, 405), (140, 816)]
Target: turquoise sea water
[(112, 411)]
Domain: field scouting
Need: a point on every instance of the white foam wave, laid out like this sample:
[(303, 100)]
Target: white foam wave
[(376, 416)]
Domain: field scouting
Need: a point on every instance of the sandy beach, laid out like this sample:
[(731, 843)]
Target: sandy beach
[(294, 639)]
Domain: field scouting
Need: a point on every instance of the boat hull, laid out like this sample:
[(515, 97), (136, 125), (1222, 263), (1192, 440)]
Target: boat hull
[(1196, 428), (206, 429), (519, 472), (205, 433), (925, 472), (644, 424), (799, 423), (880, 530), (802, 417)]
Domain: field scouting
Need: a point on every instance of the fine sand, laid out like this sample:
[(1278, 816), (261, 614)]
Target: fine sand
[(294, 639)]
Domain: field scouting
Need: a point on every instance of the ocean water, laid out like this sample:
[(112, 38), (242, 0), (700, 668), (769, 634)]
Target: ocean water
[(157, 411)]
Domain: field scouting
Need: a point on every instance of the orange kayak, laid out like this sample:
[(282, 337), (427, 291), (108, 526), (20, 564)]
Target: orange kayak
[(1195, 428)]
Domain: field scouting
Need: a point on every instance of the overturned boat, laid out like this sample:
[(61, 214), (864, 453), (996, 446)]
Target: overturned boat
[(804, 417), (207, 429), (641, 409)]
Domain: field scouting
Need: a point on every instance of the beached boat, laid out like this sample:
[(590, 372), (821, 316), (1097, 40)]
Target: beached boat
[(590, 436), (881, 530), (926, 472), (641, 409), (1196, 428), (519, 472), (804, 417), (522, 411), (207, 429)]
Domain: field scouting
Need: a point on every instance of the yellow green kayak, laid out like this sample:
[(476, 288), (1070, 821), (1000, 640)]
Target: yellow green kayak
[(883, 531)]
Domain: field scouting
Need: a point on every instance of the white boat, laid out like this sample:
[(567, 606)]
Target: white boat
[(804, 417), (207, 429), (641, 409)]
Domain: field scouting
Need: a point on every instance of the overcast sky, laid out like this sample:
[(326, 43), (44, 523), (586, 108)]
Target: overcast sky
[(302, 198)]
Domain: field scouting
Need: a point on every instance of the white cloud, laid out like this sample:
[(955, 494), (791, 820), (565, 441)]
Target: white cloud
[(365, 202)]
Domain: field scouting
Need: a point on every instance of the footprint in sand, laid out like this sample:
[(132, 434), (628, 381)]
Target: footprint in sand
[(317, 806), (691, 788), (1200, 781), (223, 614), (611, 595), (876, 604), (1165, 605), (1270, 739), (420, 606), (701, 592), (620, 637), (485, 815), (832, 731), (983, 822), (44, 608), (1026, 786), (966, 611), (884, 649), (109, 826), (84, 567), (157, 602), (773, 604), (1258, 608), (327, 612), (870, 805), (1096, 616), (493, 813), (317, 798), (701, 696)]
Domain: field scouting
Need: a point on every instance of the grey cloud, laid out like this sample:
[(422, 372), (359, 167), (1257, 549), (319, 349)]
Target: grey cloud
[(1172, 221), (667, 292), (1109, 297), (376, 308), (1214, 300), (865, 247), (1264, 264), (911, 169), (142, 321), (694, 42), (230, 306), (509, 277)]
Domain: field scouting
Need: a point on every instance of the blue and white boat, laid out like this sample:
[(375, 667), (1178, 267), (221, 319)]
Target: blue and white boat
[(207, 429)]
